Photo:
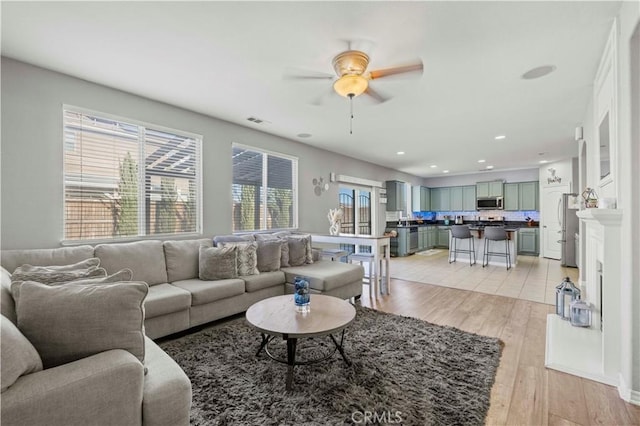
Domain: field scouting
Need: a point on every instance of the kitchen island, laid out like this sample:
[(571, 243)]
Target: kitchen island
[(494, 246)]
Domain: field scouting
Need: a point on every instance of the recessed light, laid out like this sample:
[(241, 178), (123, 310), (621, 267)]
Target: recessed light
[(489, 167), (544, 161), (500, 137), (400, 152), (481, 161), (445, 171), (304, 135), (539, 72), (433, 166)]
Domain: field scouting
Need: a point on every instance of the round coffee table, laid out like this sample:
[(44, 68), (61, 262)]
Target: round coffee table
[(277, 316)]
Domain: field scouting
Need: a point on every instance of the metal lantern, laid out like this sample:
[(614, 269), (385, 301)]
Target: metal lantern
[(580, 313), (566, 292)]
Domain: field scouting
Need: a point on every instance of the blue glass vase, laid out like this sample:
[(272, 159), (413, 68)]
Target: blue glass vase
[(302, 296)]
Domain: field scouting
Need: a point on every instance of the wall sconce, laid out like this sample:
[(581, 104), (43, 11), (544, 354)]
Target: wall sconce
[(320, 186)]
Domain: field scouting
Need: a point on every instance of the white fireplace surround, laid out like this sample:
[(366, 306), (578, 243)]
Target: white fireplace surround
[(600, 351)]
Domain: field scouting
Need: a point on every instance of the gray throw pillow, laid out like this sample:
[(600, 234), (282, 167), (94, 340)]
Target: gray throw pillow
[(308, 251), (219, 239), (284, 247), (269, 254), (19, 357), (57, 274), (247, 258), (218, 263), (69, 322), (297, 251)]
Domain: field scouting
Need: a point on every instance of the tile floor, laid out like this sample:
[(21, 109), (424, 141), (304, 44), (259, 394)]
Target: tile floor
[(533, 278)]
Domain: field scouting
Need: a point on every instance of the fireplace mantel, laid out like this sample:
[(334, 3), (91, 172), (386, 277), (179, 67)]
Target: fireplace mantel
[(605, 217)]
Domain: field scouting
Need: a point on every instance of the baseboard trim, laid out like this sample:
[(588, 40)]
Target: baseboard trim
[(629, 395)]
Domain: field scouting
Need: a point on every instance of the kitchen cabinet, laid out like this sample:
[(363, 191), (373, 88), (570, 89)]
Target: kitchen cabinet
[(420, 200), (489, 189), (423, 243), (441, 199), (396, 200), (528, 241), (456, 198), (403, 242), (443, 238), (521, 196), (469, 198), (432, 236)]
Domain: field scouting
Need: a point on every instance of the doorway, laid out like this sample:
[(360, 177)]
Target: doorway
[(552, 221)]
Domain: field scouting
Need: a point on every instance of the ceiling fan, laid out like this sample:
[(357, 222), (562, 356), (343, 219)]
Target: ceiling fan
[(353, 78)]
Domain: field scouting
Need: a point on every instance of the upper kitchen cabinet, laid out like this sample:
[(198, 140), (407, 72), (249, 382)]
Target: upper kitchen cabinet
[(456, 198), (469, 197), (396, 200), (440, 199), (521, 196), (420, 200), (489, 189)]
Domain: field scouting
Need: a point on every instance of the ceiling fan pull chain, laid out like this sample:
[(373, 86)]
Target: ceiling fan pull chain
[(351, 114)]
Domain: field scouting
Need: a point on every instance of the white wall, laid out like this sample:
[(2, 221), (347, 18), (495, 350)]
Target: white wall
[(626, 188), (31, 175), (526, 175)]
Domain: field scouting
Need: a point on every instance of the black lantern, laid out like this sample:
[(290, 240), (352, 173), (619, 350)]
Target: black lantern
[(566, 292)]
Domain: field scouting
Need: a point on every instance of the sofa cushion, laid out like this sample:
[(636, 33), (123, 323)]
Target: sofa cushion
[(59, 273), (203, 292), (7, 306), (182, 258), (326, 275), (144, 258), (165, 299), (268, 254), (218, 263), (264, 280), (247, 257), (219, 239), (284, 247), (11, 259), (69, 322), (18, 355)]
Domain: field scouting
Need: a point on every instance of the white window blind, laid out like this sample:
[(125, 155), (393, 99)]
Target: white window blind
[(264, 190), (124, 179)]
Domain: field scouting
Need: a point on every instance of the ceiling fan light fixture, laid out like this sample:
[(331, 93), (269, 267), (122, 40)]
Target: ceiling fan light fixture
[(350, 85)]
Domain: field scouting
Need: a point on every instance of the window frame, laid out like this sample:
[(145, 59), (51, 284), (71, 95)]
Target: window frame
[(142, 126), (294, 186)]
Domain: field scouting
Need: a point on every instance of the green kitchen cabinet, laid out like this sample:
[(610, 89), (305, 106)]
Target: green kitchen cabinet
[(482, 189), (441, 199), (512, 196), (396, 200), (528, 198), (456, 198), (443, 238), (469, 198), (423, 243), (529, 241), (496, 188), (403, 242), (420, 200), (432, 237)]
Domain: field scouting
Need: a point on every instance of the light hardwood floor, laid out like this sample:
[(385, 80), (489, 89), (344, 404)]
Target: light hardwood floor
[(525, 392)]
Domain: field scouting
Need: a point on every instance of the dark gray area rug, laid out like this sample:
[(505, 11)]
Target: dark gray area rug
[(404, 371)]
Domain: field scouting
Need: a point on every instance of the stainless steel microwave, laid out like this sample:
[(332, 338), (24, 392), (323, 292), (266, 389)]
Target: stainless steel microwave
[(489, 203)]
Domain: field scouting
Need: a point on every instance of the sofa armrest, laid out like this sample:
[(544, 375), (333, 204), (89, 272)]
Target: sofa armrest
[(103, 389)]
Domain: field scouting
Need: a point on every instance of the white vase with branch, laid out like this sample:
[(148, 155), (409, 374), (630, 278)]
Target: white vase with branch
[(335, 219)]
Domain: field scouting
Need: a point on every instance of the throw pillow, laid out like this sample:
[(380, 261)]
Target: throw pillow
[(69, 322), (219, 239), (218, 263), (269, 254), (297, 251), (55, 274), (308, 251), (247, 260), (284, 247), (19, 357)]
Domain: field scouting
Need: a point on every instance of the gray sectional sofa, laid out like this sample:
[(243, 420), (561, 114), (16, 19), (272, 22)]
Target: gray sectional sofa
[(176, 301)]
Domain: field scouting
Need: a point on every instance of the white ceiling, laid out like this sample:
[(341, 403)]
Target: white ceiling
[(228, 59)]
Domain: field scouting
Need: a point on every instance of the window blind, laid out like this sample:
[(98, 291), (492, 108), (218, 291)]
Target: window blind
[(125, 179), (264, 190)]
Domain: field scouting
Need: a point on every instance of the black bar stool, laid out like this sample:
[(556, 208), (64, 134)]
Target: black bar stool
[(462, 232), (495, 233)]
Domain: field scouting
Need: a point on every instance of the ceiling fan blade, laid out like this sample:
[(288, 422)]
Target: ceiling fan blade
[(411, 68), (376, 95), (302, 74)]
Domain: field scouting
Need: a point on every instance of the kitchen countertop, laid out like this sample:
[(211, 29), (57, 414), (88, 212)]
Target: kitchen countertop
[(509, 225)]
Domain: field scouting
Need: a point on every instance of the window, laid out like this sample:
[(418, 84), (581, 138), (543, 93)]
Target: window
[(124, 179), (264, 190)]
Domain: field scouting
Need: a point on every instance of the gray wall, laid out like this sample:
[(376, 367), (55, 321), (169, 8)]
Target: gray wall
[(31, 175)]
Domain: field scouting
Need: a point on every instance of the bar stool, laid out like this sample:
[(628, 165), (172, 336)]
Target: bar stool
[(496, 233), (361, 258), (462, 232)]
